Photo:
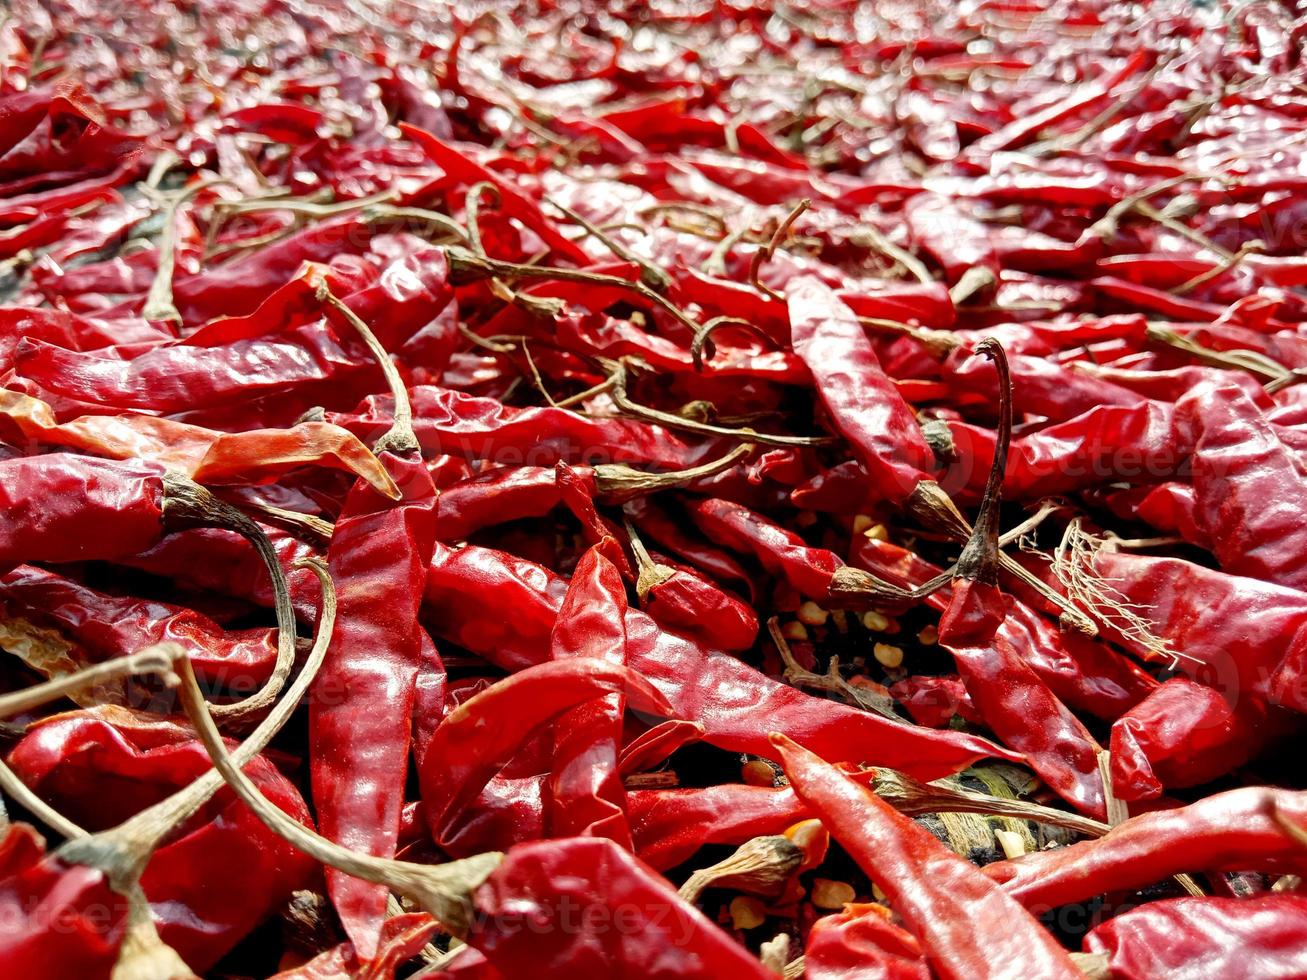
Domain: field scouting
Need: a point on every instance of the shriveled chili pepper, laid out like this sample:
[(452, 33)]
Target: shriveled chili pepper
[(861, 400), (1187, 734), (1239, 829), (553, 906), (362, 702), (683, 600), (523, 703), (1263, 935), (100, 768), (1082, 672), (729, 698), (108, 624), (966, 925), (1248, 485), (861, 941), (585, 794)]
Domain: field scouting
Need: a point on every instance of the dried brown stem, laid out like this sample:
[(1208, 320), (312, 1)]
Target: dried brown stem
[(157, 659), (399, 438), (186, 504), (765, 253), (618, 483)]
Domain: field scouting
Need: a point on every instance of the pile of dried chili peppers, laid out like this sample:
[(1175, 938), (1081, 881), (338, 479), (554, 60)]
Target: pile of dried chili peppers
[(710, 488)]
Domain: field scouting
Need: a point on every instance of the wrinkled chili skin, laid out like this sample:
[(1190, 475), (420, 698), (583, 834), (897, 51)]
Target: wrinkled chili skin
[(863, 404), (99, 770), (1229, 830), (1259, 936), (966, 925), (108, 624), (552, 906), (362, 699), (585, 792), (861, 941), (61, 508), (732, 700)]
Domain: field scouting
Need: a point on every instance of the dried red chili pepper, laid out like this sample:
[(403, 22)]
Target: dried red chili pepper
[(362, 702), (1263, 935), (1237, 830), (584, 795), (108, 624), (1186, 734), (571, 892), (941, 897), (732, 701), (861, 941), (1248, 488), (863, 404)]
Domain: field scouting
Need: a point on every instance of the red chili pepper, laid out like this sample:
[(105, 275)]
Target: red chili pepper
[(861, 941), (59, 914), (362, 700), (730, 699), (450, 422), (101, 766), (585, 906), (1248, 488), (489, 728), (1082, 672), (402, 937), (863, 405), (1235, 830), (585, 793), (1186, 734), (670, 825), (108, 624), (1264, 935), (966, 925)]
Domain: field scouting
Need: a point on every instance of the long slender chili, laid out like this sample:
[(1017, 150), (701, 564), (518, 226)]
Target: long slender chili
[(362, 703)]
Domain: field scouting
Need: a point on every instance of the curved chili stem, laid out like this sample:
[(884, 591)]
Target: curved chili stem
[(443, 890), (316, 528), (937, 342), (715, 264), (123, 852), (378, 213), (617, 374), (915, 798), (1271, 372), (465, 266), (399, 438), (618, 483), (156, 659), (187, 504), (158, 301), (472, 204), (703, 337), (979, 558), (128, 846), (767, 251), (651, 573), (650, 274)]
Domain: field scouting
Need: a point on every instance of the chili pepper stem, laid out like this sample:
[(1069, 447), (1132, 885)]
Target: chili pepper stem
[(764, 253), (617, 376), (979, 558), (832, 681), (400, 438), (187, 504), (914, 798), (443, 890), (157, 659), (618, 483)]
